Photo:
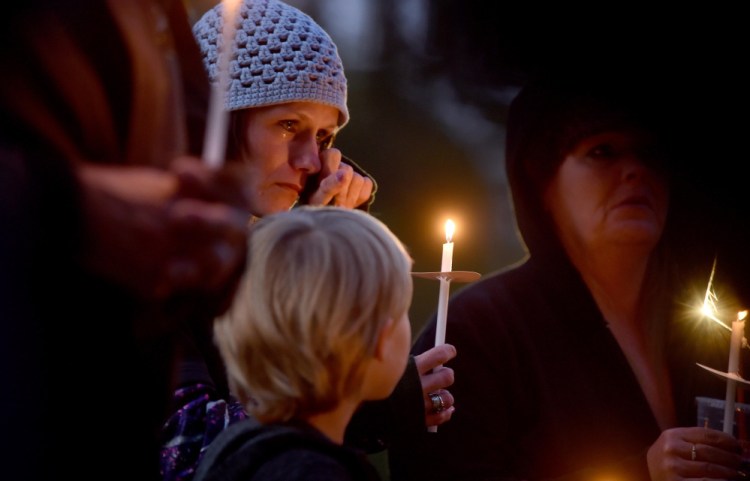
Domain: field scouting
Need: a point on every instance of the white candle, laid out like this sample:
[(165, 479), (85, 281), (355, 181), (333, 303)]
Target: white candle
[(738, 331), (445, 266), (215, 141)]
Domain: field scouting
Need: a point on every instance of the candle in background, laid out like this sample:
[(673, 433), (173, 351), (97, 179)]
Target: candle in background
[(445, 266), (215, 141), (738, 331)]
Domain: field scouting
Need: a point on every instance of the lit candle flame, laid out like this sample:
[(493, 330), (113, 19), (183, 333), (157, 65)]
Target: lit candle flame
[(708, 309), (446, 265), (450, 229), (741, 315), (709, 300)]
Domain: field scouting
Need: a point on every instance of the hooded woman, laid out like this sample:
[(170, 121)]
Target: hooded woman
[(576, 363)]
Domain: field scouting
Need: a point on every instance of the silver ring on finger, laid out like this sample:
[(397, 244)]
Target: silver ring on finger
[(693, 453), (438, 405)]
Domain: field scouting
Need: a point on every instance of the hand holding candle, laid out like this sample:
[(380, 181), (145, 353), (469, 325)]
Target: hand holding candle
[(446, 265), (445, 276)]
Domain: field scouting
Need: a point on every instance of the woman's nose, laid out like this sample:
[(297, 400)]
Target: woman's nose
[(644, 160), (631, 165), (306, 156)]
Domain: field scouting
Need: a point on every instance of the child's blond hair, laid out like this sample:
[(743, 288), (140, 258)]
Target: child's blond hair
[(320, 284)]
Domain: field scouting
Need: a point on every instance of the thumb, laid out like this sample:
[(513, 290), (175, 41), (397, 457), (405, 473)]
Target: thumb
[(434, 357)]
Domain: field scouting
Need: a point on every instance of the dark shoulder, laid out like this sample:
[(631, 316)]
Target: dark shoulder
[(249, 451), (303, 464), (497, 290)]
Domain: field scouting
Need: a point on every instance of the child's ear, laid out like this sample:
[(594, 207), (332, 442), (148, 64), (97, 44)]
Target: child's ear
[(381, 348)]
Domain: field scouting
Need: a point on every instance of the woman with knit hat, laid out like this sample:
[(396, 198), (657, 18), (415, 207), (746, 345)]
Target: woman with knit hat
[(287, 98), (287, 101), (579, 362)]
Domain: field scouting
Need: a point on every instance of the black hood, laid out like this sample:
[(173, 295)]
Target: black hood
[(546, 120)]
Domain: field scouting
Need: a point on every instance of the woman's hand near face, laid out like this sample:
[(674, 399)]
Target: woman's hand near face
[(694, 452), (339, 183)]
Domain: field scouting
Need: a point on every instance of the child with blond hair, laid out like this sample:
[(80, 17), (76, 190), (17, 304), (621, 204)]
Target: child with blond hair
[(318, 326)]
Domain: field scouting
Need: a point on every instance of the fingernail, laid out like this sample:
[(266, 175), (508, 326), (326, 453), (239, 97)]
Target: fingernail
[(340, 175)]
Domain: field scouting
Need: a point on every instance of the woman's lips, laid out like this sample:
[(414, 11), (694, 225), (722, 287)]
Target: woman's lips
[(295, 187), (636, 200)]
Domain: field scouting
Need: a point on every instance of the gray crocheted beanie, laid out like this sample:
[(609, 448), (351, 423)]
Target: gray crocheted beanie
[(281, 56)]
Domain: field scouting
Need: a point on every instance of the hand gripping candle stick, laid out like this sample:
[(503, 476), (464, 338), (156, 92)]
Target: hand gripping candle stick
[(215, 140), (446, 266), (445, 276)]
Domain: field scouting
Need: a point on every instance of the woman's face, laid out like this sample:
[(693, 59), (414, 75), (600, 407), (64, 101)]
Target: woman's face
[(281, 146), (607, 192)]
